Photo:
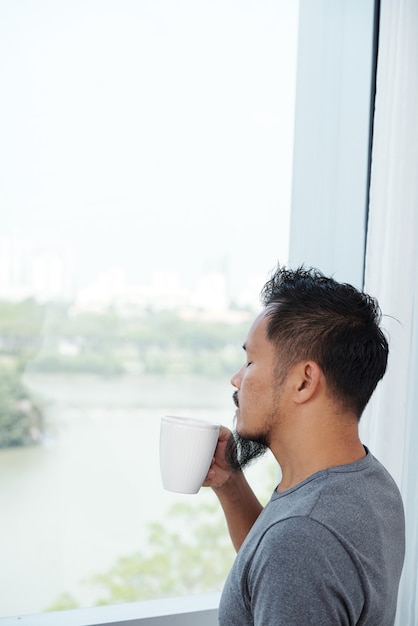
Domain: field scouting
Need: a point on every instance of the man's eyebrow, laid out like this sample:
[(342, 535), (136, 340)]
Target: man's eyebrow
[(244, 346)]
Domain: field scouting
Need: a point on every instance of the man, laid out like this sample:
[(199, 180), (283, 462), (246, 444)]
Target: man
[(328, 548)]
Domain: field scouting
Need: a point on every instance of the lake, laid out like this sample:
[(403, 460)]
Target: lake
[(71, 507)]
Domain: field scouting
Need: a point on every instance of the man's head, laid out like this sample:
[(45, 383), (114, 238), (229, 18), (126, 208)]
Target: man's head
[(306, 317), (337, 326)]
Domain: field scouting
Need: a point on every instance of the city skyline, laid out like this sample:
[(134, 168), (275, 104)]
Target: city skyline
[(43, 269)]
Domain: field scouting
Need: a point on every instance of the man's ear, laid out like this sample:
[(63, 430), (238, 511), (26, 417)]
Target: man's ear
[(307, 378)]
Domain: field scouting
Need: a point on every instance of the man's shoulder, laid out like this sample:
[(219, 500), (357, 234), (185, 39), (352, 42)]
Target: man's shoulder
[(297, 535), (358, 494), (347, 503), (365, 482)]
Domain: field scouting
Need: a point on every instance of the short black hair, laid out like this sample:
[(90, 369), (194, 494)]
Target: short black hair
[(315, 317)]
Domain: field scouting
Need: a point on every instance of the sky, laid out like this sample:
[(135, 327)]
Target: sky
[(149, 134)]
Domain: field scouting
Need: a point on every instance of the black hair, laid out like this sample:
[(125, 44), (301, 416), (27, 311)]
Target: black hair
[(315, 317)]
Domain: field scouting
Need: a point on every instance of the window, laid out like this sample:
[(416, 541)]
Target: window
[(82, 197), (146, 156)]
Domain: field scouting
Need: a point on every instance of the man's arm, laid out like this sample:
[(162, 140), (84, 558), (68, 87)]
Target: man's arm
[(238, 501), (301, 573)]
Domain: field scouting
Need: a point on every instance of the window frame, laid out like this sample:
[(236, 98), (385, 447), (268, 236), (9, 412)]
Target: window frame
[(200, 609), (336, 73)]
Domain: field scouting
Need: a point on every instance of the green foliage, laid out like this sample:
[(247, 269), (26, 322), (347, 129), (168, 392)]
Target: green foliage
[(20, 329), (54, 339), (21, 418), (193, 560), (21, 319), (64, 602), (88, 363), (190, 554)]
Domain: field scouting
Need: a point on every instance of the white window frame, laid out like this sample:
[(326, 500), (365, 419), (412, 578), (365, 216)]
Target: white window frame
[(200, 609), (333, 126), (336, 62)]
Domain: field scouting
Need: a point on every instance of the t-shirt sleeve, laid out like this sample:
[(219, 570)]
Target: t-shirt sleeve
[(302, 574)]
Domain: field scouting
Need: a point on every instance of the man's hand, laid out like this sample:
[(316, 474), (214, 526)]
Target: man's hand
[(237, 499), (220, 471)]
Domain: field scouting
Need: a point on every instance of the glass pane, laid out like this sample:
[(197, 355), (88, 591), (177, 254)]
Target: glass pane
[(145, 152)]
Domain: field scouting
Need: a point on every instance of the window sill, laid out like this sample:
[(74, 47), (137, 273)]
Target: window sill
[(186, 611)]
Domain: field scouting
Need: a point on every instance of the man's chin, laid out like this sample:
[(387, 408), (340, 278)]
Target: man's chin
[(241, 450)]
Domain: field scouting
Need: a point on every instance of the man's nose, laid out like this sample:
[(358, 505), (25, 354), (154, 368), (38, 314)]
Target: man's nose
[(236, 378)]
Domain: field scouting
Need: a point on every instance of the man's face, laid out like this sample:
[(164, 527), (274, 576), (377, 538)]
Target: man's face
[(257, 394)]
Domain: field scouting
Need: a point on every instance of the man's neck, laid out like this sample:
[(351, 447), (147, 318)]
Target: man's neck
[(308, 453)]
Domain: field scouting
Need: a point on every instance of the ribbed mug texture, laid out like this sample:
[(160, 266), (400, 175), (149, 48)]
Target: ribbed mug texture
[(187, 446)]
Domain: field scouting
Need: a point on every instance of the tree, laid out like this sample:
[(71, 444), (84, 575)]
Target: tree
[(21, 417), (193, 555)]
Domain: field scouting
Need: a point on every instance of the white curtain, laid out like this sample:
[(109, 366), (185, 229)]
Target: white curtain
[(390, 425)]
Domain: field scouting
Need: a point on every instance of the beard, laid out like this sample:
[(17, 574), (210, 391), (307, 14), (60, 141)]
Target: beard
[(240, 451)]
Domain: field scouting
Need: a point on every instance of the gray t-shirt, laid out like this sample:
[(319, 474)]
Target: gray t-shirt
[(326, 552)]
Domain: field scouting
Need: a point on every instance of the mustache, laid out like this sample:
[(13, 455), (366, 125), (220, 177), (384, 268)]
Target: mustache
[(235, 398)]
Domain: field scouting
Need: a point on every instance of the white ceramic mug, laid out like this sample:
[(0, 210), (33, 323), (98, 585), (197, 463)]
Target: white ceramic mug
[(187, 446)]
